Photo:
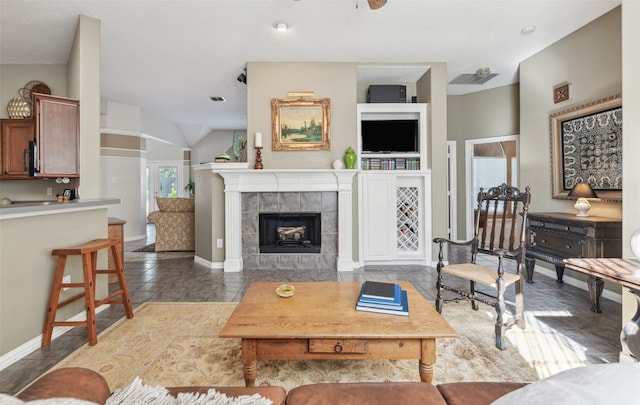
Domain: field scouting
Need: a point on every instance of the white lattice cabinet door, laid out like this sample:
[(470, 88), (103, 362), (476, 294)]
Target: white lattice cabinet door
[(408, 219)]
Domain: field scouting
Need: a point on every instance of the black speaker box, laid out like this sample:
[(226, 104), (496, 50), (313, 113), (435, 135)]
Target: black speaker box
[(387, 93)]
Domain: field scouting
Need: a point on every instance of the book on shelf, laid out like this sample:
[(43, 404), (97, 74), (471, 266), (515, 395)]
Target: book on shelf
[(403, 309), (380, 290)]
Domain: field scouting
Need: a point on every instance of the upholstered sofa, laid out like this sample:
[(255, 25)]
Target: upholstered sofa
[(602, 384), (175, 224)]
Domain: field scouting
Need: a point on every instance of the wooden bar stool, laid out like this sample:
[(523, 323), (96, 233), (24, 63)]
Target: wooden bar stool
[(89, 252)]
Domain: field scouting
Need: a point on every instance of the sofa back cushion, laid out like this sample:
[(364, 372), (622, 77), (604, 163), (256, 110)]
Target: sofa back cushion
[(176, 204)]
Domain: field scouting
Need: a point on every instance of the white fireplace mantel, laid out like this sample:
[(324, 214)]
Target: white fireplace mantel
[(286, 180)]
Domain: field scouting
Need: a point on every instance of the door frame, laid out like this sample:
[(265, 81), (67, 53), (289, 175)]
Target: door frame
[(469, 144), (452, 190)]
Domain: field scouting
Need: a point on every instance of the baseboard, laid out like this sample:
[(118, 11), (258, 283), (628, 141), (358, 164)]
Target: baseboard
[(135, 237), (24, 349), (208, 263)]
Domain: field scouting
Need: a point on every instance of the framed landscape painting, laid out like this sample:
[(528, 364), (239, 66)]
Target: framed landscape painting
[(300, 124), (586, 147)]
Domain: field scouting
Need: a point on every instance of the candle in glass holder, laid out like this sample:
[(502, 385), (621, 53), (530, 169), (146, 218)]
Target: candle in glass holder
[(258, 140)]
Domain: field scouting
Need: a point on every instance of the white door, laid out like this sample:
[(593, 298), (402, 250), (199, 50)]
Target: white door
[(164, 179)]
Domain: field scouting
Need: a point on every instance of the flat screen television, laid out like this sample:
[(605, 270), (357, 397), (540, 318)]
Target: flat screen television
[(388, 136)]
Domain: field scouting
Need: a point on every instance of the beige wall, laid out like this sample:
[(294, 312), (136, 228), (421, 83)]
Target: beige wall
[(209, 217), (26, 265), (432, 89), (484, 114), (336, 81), (27, 268), (15, 77), (83, 78), (589, 59)]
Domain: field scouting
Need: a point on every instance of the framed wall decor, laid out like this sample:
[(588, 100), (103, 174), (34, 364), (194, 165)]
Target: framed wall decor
[(586, 147), (300, 124)]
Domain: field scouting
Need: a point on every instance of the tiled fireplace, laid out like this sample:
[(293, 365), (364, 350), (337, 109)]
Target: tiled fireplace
[(262, 247), (292, 194)]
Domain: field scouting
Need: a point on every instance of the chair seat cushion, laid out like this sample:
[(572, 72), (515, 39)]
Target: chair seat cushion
[(479, 274)]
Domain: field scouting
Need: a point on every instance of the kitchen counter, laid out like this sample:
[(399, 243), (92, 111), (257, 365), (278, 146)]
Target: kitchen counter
[(29, 231), (30, 208)]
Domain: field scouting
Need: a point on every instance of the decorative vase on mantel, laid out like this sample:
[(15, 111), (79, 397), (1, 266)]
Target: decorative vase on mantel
[(350, 158)]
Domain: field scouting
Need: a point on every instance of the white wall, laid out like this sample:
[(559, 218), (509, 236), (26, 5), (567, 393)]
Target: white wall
[(159, 127), (123, 162), (631, 140)]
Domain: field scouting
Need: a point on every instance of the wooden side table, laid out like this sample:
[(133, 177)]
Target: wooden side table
[(555, 236), (625, 272), (116, 231)]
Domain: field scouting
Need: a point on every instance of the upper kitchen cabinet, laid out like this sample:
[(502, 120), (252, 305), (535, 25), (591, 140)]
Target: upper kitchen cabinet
[(16, 134), (57, 135)]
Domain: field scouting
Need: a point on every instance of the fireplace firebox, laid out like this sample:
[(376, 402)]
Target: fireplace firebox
[(294, 232)]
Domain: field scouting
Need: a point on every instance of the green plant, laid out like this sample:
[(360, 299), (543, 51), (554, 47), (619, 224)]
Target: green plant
[(191, 187)]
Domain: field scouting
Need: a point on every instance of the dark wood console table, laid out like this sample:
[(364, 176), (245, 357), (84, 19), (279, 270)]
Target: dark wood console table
[(555, 236)]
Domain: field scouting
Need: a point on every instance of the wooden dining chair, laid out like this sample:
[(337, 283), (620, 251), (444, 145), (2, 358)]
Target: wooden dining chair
[(499, 231)]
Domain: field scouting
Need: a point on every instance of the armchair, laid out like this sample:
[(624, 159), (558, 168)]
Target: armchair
[(175, 224), (499, 231)]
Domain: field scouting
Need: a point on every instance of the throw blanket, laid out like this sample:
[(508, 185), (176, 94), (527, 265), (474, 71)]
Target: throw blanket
[(139, 393)]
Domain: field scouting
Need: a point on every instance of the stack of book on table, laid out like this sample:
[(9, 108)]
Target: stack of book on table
[(386, 298)]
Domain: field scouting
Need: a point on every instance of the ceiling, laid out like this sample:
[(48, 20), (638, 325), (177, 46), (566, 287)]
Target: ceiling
[(169, 57)]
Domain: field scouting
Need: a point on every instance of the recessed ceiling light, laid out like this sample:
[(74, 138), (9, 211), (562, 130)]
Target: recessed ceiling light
[(528, 30), (280, 26)]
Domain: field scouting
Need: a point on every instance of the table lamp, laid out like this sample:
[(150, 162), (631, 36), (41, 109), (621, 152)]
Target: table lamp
[(582, 191)]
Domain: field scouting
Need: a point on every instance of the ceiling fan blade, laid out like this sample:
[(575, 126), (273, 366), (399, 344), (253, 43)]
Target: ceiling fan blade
[(376, 4)]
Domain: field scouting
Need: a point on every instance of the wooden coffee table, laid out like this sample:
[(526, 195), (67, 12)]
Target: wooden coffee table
[(320, 322)]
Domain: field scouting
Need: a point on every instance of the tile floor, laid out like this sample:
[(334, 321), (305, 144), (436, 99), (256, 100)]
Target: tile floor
[(175, 277)]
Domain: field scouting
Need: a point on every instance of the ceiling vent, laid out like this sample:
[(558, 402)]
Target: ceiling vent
[(481, 76), (217, 98)]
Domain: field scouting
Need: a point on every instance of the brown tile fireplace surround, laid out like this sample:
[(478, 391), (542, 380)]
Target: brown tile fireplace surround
[(293, 195)]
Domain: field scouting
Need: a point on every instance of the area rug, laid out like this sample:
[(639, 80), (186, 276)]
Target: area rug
[(176, 344)]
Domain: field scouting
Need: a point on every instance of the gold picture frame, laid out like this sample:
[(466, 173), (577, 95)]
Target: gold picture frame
[(300, 124), (586, 147)]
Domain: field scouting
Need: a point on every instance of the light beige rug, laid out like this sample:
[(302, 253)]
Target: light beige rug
[(176, 344)]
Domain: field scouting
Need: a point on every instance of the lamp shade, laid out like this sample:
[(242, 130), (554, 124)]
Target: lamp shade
[(582, 190)]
